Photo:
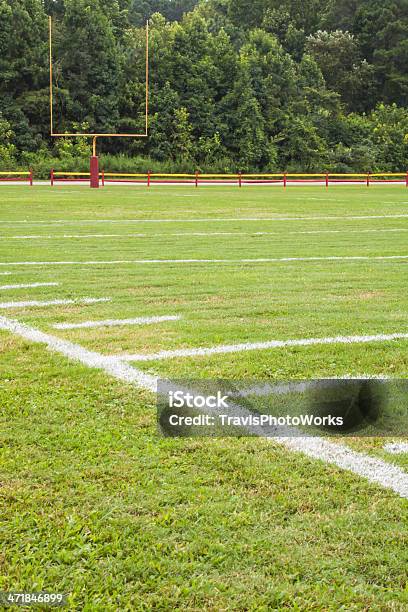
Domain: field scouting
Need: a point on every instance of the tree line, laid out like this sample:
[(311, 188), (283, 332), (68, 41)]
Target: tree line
[(266, 85)]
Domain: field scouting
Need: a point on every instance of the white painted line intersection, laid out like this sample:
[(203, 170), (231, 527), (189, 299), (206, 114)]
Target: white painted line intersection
[(374, 470)]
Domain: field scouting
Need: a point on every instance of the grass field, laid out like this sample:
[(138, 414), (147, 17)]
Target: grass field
[(94, 503)]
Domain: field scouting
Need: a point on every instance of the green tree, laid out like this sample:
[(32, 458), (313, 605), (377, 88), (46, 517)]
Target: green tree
[(182, 140), (338, 56), (23, 70), (245, 129), (7, 148), (89, 66)]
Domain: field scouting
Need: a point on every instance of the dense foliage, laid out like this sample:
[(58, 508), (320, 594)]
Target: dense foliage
[(261, 85)]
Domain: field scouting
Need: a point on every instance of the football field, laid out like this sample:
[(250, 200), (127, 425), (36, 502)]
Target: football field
[(101, 293)]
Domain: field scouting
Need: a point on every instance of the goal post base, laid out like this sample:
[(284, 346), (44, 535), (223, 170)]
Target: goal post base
[(94, 172)]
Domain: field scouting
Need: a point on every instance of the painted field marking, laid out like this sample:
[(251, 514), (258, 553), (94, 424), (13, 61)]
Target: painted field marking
[(28, 286), (285, 388), (196, 234), (396, 448), (116, 322), (374, 470), (5, 273), (370, 468), (29, 303), (259, 346), (204, 220), (209, 261), (113, 367)]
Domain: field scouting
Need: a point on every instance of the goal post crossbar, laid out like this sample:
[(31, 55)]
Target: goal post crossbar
[(99, 134)]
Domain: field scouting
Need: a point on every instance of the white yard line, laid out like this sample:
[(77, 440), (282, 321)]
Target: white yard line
[(29, 303), (204, 220), (28, 286), (195, 234), (374, 470), (209, 261), (113, 367), (396, 448), (116, 322), (259, 346), (5, 273), (298, 386)]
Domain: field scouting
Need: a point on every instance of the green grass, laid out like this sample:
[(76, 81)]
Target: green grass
[(94, 503)]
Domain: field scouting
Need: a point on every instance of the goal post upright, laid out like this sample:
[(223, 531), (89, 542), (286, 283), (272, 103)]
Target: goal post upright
[(94, 161)]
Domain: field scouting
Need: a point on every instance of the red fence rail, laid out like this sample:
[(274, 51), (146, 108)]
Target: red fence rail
[(240, 179), (23, 176)]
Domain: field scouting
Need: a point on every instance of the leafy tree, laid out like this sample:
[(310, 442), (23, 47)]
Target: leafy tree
[(245, 131), (173, 10), (182, 140), (7, 148), (194, 73), (338, 56), (163, 124), (23, 69), (89, 65)]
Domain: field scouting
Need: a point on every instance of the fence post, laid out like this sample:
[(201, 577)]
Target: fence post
[(196, 178), (327, 179), (285, 180), (148, 178), (103, 178), (52, 177), (368, 179), (31, 177), (240, 179)]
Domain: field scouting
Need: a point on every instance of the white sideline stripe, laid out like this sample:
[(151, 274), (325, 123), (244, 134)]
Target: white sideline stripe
[(258, 346), (116, 322), (285, 388), (374, 470), (188, 261), (396, 448), (28, 285), (52, 302), (181, 234), (205, 219), (5, 273), (114, 367)]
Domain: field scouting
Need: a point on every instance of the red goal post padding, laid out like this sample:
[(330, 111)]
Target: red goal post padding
[(21, 177)]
